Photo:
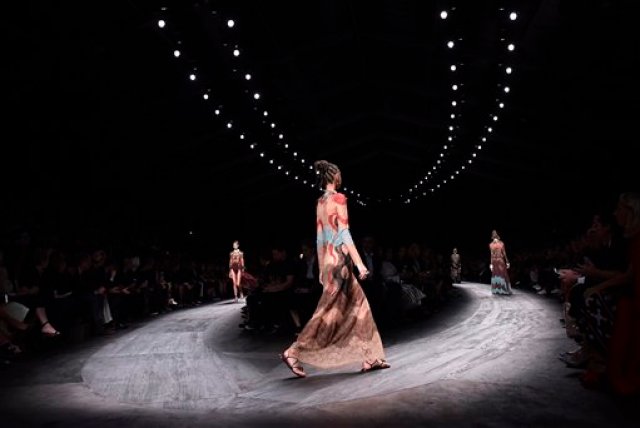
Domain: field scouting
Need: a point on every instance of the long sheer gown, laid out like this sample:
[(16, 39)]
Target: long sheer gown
[(342, 329), (500, 283)]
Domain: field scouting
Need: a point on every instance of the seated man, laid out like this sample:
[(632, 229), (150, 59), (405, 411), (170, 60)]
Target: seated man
[(603, 260), (307, 289), (269, 304)]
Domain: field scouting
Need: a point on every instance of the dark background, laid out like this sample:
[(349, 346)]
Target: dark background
[(105, 136)]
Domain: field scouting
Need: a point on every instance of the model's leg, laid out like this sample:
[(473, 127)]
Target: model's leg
[(240, 284), (234, 279)]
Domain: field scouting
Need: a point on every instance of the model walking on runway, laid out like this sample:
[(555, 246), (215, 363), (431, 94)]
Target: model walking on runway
[(342, 329)]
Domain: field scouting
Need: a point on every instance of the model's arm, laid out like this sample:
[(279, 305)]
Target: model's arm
[(490, 259), (241, 261), (504, 255), (344, 235), (320, 244)]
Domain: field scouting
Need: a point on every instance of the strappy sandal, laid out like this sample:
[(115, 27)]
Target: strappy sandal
[(376, 365), (296, 368), (55, 333)]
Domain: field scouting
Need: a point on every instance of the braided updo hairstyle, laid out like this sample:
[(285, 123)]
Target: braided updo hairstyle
[(326, 173)]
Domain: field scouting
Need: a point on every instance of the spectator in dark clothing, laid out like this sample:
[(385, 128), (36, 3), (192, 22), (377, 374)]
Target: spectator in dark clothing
[(270, 304), (91, 289), (372, 285), (30, 292), (604, 258), (307, 289), (124, 294), (63, 307)]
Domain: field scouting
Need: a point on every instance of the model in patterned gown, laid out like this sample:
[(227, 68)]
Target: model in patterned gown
[(500, 283), (341, 330)]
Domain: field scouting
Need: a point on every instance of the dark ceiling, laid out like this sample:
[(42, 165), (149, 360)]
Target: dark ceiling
[(103, 118)]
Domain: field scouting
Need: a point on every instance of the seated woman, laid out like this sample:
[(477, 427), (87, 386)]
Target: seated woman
[(29, 293)]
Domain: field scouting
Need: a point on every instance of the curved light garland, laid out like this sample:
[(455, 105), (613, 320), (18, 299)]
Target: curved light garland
[(455, 104), (504, 90), (230, 123), (413, 192), (258, 98)]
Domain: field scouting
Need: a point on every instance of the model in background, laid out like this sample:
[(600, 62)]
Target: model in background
[(236, 269), (499, 264), (456, 267)]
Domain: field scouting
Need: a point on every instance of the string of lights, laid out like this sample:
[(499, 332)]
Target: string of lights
[(456, 102), (302, 171), (508, 47), (274, 130), (231, 124), (259, 100), (290, 158)]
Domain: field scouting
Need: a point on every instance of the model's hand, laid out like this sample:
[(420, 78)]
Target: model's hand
[(508, 265), (491, 267), (363, 272)]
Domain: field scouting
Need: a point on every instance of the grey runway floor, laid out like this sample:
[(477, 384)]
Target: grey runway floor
[(483, 361)]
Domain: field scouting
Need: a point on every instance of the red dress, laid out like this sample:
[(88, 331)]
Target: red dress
[(236, 261)]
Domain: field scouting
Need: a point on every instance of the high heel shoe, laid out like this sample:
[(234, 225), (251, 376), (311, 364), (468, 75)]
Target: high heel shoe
[(54, 333)]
